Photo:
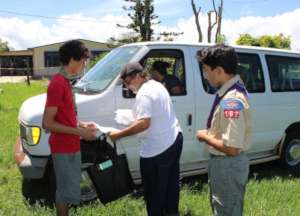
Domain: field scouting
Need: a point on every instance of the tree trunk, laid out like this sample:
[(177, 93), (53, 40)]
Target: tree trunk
[(209, 28), (219, 20), (196, 14)]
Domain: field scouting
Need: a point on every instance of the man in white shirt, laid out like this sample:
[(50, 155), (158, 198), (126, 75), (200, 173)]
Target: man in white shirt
[(160, 138)]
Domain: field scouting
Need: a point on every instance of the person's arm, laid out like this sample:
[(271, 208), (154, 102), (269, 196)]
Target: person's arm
[(218, 144), (134, 128), (50, 124), (176, 90), (175, 86)]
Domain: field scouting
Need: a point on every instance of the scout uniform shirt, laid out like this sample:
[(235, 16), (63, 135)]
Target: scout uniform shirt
[(230, 116)]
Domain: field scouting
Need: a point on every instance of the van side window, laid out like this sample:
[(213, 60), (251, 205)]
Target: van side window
[(284, 73), (172, 60), (250, 70)]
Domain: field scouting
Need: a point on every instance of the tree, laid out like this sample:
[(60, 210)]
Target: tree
[(219, 20), (123, 39), (196, 14), (3, 46), (277, 41), (221, 39), (143, 18), (214, 17)]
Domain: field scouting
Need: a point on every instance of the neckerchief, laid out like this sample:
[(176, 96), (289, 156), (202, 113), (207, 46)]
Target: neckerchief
[(238, 86)]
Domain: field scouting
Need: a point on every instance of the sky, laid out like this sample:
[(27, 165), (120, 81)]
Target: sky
[(30, 23)]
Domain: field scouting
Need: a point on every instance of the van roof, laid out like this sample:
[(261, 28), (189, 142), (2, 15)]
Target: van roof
[(157, 43)]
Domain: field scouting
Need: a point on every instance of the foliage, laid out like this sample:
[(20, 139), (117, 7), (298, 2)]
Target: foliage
[(124, 39), (221, 39), (3, 46), (142, 18), (277, 41)]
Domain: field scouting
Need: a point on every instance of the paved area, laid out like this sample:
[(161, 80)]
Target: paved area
[(12, 79)]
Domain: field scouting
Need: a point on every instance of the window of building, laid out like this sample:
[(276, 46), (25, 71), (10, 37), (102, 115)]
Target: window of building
[(284, 73), (51, 59), (250, 70)]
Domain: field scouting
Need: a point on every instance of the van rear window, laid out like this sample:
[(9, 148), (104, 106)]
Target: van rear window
[(284, 73)]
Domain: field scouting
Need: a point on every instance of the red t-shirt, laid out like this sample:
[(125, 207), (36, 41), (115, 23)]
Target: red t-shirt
[(59, 94)]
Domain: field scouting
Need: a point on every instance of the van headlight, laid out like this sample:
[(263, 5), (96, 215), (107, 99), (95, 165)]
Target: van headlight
[(30, 134)]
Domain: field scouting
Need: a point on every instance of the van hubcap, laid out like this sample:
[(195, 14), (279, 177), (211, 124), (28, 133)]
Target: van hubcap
[(88, 191), (293, 152)]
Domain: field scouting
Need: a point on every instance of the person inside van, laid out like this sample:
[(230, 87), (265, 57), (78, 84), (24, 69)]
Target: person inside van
[(160, 137), (171, 82), (228, 131), (60, 118)]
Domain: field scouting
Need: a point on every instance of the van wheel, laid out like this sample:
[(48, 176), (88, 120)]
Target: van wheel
[(88, 191), (290, 156)]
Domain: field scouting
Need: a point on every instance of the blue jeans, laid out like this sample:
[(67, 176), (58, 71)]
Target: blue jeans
[(160, 180)]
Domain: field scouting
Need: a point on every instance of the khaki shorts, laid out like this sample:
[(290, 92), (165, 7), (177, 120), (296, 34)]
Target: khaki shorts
[(67, 169)]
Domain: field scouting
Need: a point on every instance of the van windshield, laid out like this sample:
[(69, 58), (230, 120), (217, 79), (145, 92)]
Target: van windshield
[(104, 72)]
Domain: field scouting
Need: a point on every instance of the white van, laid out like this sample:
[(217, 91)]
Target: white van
[(271, 76)]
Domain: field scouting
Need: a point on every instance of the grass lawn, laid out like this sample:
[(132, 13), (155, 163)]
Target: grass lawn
[(271, 191)]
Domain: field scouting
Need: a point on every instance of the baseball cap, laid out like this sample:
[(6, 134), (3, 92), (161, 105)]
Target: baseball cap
[(130, 69)]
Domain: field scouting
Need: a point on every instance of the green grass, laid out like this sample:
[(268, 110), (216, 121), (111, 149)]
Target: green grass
[(11, 98), (271, 191)]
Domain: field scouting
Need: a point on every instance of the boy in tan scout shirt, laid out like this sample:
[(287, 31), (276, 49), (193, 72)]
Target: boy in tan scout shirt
[(228, 131)]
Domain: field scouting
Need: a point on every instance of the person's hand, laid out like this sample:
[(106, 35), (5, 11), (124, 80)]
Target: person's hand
[(202, 135), (114, 136), (88, 134), (91, 125)]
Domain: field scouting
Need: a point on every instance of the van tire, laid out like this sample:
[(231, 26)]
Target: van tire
[(290, 155)]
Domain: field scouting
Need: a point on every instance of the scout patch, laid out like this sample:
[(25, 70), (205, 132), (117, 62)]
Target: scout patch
[(231, 107)]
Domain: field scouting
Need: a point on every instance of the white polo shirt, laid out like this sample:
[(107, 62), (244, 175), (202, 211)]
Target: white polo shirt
[(153, 101)]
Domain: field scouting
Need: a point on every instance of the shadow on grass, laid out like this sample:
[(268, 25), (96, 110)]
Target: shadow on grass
[(265, 171), (269, 170)]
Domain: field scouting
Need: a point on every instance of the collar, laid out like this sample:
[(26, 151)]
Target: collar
[(228, 84)]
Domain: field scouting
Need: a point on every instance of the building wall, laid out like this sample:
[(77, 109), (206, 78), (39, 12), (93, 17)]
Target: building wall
[(39, 68)]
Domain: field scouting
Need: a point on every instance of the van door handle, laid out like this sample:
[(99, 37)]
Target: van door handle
[(189, 119)]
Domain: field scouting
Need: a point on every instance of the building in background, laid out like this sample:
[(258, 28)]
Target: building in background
[(41, 61)]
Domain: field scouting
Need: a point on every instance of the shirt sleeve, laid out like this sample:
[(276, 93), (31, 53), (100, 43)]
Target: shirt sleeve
[(55, 94), (173, 82), (143, 107), (233, 122)]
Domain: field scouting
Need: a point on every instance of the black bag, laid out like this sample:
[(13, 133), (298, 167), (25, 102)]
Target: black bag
[(111, 177), (95, 151)]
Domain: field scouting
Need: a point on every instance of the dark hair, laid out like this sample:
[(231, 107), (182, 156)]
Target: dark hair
[(219, 55), (72, 49), (161, 67)]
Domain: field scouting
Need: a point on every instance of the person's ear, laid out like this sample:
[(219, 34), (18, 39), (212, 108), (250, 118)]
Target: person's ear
[(220, 70)]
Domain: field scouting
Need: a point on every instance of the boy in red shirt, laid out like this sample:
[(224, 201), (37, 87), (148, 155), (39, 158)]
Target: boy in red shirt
[(60, 117)]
